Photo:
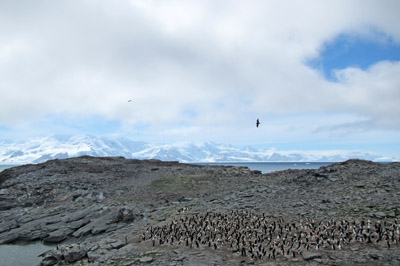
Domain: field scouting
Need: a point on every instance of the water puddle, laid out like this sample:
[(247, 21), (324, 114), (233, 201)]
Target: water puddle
[(22, 255)]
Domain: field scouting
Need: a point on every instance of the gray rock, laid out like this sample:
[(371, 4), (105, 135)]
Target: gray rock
[(84, 230), (380, 215), (28, 232), (310, 255), (323, 207), (118, 244), (81, 214), (52, 219), (124, 214), (99, 227), (76, 216), (100, 196), (104, 257), (7, 226), (375, 256), (93, 255), (75, 253), (127, 249), (58, 236), (49, 261), (78, 224), (146, 259), (26, 218), (4, 206), (4, 191), (50, 257)]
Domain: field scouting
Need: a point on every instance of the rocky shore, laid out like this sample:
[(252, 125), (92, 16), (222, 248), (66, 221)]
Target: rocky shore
[(115, 211)]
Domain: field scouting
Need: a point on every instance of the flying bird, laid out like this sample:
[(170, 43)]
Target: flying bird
[(129, 101), (258, 122)]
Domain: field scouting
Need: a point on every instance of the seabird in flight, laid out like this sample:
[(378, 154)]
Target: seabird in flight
[(258, 122)]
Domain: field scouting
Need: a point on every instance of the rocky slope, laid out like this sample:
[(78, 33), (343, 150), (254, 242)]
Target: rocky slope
[(116, 211)]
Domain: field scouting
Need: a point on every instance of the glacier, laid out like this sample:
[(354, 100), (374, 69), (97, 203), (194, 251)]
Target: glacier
[(37, 150)]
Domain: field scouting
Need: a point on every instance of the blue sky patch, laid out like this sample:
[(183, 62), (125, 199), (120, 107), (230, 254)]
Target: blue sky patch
[(3, 127), (354, 51)]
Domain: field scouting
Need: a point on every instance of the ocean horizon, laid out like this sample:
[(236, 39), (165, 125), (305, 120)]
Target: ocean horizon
[(264, 167), (268, 167), (5, 166)]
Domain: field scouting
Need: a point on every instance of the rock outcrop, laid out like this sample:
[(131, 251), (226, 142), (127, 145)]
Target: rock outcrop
[(109, 210)]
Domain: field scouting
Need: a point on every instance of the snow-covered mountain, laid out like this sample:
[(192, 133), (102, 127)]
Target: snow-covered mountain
[(43, 149)]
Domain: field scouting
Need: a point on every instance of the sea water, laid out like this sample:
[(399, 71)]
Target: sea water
[(268, 167), (264, 167), (22, 255), (3, 167)]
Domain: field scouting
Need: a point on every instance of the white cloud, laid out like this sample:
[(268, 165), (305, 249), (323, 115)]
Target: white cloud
[(374, 93), (226, 61)]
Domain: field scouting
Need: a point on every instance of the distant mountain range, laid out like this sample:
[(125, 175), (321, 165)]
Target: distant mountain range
[(59, 147)]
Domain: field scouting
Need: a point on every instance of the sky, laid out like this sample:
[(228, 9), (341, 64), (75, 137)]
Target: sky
[(320, 75)]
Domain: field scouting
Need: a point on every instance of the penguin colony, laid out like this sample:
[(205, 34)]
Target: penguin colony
[(260, 236)]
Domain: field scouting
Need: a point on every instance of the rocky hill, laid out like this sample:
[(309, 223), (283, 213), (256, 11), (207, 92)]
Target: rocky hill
[(117, 211)]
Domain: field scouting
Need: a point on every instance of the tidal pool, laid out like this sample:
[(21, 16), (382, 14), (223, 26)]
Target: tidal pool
[(22, 255)]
